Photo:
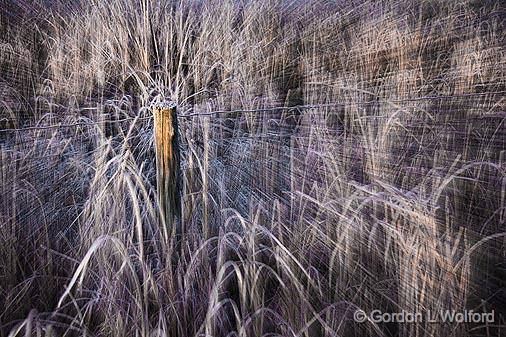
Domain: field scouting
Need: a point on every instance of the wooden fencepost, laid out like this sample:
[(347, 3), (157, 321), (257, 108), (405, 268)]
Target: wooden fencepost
[(167, 164)]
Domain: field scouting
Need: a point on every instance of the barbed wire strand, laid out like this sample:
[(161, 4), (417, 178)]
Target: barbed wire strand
[(267, 109)]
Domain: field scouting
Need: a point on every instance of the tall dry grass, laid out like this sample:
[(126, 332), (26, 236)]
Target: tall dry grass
[(373, 178)]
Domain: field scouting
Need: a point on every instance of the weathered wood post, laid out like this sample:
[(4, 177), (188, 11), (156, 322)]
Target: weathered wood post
[(167, 164)]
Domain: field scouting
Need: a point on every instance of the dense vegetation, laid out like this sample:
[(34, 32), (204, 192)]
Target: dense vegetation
[(355, 159)]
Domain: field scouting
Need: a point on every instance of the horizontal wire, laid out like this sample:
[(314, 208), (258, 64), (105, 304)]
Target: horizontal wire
[(323, 105), (48, 127), (267, 109)]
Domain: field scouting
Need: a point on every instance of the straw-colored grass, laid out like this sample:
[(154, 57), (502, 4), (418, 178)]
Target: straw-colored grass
[(383, 188)]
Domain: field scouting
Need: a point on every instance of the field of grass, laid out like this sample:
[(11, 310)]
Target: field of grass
[(336, 157)]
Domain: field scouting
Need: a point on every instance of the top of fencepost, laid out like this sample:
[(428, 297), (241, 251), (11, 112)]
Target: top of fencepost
[(164, 105)]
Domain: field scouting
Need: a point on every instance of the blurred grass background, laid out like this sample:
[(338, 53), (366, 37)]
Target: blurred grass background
[(357, 162)]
